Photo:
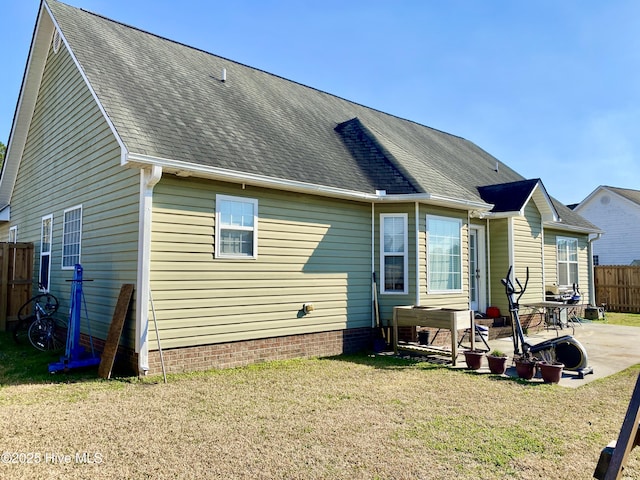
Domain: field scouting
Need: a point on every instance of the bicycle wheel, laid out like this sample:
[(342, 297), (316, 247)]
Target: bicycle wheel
[(48, 334), (20, 330), (46, 303)]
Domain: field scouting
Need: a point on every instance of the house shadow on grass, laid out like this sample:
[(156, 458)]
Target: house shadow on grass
[(389, 361), (24, 365)]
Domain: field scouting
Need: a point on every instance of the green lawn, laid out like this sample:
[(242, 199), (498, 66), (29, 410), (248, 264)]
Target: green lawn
[(349, 417), (629, 319)]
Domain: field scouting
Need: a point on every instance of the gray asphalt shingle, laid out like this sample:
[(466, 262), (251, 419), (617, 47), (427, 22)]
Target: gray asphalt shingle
[(167, 100)]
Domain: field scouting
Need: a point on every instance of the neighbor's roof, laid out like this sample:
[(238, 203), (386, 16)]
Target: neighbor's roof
[(631, 195), (167, 101)]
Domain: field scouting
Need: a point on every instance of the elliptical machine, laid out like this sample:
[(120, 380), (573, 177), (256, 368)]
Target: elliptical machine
[(565, 349)]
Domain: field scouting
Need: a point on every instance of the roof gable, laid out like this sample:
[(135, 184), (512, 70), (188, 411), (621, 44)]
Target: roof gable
[(170, 105), (514, 196)]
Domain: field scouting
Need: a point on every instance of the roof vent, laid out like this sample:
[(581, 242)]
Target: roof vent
[(57, 41), (224, 74), (497, 166)]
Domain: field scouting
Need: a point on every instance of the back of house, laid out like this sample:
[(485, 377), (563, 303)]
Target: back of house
[(253, 213)]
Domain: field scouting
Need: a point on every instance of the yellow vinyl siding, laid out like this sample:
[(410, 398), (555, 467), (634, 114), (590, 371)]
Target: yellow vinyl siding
[(500, 262), (443, 300), (528, 247), (551, 259), (389, 300), (71, 158), (310, 250)]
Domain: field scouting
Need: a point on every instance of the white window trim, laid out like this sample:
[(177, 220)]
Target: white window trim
[(405, 218), (452, 291), (48, 254), (64, 227), (218, 226), (559, 262), (13, 234)]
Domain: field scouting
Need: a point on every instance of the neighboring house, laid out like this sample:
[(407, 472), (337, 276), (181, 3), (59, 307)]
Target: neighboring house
[(616, 211), (233, 199)]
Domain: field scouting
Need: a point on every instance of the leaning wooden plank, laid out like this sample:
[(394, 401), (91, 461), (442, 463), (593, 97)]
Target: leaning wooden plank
[(614, 456), (115, 330)]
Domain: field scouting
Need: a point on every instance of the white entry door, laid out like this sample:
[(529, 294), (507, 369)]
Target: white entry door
[(477, 269)]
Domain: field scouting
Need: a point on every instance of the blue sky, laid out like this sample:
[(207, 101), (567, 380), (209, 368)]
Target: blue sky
[(550, 87)]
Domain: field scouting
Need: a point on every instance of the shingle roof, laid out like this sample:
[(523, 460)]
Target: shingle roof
[(167, 100), (508, 197), (629, 194)]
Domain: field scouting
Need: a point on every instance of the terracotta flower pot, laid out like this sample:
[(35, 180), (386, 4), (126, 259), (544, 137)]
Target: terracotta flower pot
[(525, 369), (497, 365), (551, 372), (473, 359)]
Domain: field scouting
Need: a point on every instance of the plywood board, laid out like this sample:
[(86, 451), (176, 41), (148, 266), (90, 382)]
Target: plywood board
[(115, 330)]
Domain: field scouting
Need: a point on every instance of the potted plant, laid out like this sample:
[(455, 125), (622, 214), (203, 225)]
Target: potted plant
[(525, 368), (473, 359), (497, 361), (551, 371)]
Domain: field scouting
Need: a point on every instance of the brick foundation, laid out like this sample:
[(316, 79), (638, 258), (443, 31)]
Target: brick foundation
[(238, 354)]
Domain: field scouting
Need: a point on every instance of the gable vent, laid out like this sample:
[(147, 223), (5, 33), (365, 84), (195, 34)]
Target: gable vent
[(57, 41)]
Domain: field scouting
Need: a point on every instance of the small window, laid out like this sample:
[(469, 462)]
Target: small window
[(236, 227), (13, 234), (71, 237), (444, 254), (394, 261), (46, 233), (567, 261)]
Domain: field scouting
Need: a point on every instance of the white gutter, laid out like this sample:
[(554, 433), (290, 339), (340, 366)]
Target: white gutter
[(186, 169), (148, 179)]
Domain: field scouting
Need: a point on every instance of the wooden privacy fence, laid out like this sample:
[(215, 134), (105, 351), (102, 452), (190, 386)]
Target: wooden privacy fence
[(16, 277), (619, 287)]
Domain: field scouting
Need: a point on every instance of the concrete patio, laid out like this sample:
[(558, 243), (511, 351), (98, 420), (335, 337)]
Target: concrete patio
[(610, 349)]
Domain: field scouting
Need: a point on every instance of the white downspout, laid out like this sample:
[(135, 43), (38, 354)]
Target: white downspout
[(148, 179), (488, 256), (373, 259), (592, 285), (417, 254)]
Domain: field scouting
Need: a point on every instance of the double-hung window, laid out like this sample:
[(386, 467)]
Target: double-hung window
[(236, 227), (567, 260), (393, 254), (46, 233), (444, 254), (71, 237)]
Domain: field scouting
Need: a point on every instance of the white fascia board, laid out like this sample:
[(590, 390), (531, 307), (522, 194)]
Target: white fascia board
[(123, 148), (439, 200), (590, 197), (186, 169), (571, 228), (544, 203), (36, 60)]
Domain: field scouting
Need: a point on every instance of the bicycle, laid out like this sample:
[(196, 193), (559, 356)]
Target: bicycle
[(48, 334), (566, 349), (37, 323), (43, 304)]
